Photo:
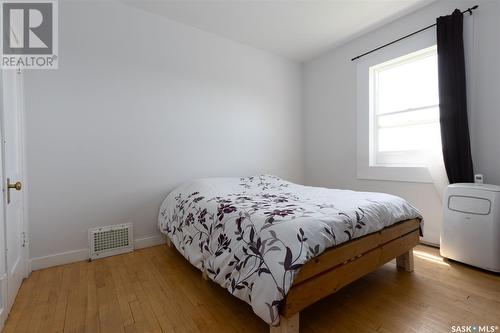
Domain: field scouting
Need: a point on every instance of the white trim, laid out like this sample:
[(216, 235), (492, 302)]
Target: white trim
[(3, 310), (59, 259), (3, 239), (22, 139), (141, 243), (83, 254), (436, 245)]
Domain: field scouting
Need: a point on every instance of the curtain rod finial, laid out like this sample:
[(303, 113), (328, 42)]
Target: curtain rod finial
[(472, 8)]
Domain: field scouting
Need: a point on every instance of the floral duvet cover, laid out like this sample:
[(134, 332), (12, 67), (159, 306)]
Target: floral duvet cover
[(252, 235)]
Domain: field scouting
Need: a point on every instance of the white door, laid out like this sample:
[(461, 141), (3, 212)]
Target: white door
[(3, 270), (15, 236)]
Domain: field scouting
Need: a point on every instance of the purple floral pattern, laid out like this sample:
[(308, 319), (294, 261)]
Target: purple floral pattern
[(252, 235)]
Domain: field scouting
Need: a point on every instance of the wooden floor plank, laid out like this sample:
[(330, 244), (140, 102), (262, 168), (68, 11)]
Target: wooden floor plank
[(157, 290), (91, 312), (77, 300), (206, 308), (62, 299), (23, 300), (168, 312), (49, 309), (122, 293), (33, 308), (134, 269), (110, 318)]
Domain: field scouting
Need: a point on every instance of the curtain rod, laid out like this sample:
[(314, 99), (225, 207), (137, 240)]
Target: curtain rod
[(468, 10)]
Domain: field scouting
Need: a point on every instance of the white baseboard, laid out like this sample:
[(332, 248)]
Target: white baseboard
[(83, 254), (141, 243), (59, 259), (429, 244)]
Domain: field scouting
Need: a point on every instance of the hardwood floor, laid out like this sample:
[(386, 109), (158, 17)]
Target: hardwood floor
[(157, 290)]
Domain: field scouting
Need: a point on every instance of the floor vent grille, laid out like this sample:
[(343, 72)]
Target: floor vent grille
[(110, 240)]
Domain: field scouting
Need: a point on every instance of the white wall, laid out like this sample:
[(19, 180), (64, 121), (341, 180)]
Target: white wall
[(330, 109), (138, 105)]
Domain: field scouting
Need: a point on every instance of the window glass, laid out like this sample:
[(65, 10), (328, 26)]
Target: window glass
[(405, 108)]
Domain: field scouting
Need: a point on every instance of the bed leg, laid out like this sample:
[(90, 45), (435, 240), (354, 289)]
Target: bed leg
[(169, 242), (287, 325), (204, 274), (405, 261)]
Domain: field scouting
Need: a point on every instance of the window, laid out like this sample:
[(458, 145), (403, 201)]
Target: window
[(397, 119), (404, 109), (397, 110)]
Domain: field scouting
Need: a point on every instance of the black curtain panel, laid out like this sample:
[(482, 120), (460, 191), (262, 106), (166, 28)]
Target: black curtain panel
[(453, 99)]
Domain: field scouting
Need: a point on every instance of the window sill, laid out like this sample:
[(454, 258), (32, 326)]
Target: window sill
[(399, 174)]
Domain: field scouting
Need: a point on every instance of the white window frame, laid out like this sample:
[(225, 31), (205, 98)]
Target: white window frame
[(406, 158), (366, 169)]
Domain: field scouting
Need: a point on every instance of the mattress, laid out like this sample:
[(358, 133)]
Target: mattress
[(253, 234)]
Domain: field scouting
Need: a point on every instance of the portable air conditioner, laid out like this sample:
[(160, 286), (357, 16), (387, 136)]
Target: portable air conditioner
[(471, 225)]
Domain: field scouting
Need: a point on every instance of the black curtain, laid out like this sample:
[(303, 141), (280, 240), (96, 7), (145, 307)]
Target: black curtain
[(453, 99)]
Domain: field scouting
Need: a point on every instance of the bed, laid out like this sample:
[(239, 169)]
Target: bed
[(281, 246)]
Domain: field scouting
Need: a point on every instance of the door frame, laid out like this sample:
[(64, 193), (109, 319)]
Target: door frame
[(25, 263), (24, 178)]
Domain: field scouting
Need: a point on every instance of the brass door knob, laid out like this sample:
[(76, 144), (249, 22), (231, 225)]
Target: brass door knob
[(16, 186)]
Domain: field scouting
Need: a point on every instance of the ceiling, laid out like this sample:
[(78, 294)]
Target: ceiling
[(297, 30)]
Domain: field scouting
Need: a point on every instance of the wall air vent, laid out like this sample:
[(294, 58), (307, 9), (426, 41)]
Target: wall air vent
[(110, 240)]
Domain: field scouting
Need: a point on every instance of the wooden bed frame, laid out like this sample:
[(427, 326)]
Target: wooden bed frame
[(343, 264)]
